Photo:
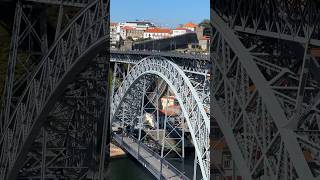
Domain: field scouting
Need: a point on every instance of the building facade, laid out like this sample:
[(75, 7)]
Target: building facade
[(139, 25), (180, 31), (114, 35), (204, 42), (191, 26), (157, 33), (135, 34)]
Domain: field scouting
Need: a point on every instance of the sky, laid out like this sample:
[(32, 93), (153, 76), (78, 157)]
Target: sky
[(165, 13)]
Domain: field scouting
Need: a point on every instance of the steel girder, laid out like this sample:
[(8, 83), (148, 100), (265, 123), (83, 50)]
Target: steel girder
[(280, 19), (50, 101), (28, 27), (195, 64), (266, 97), (189, 100), (72, 3), (165, 54)]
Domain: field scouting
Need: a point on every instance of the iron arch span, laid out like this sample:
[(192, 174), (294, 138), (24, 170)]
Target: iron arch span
[(32, 139), (257, 131), (190, 103)]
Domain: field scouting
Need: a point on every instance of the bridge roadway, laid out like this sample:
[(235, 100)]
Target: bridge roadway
[(190, 63), (72, 3), (166, 54), (149, 159)]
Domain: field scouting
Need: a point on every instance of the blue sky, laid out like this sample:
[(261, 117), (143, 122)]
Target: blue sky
[(169, 13)]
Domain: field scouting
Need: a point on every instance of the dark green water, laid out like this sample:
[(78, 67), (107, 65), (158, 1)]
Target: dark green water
[(128, 169)]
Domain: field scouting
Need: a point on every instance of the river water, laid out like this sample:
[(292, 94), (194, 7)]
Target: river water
[(127, 168)]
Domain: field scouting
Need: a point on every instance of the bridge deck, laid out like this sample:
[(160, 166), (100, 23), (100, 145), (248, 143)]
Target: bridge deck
[(149, 159), (74, 3), (171, 54)]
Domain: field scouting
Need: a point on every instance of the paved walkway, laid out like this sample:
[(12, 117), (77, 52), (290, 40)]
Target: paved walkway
[(146, 158)]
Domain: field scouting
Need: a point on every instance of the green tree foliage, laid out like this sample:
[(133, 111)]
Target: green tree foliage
[(205, 23), (207, 27), (4, 54)]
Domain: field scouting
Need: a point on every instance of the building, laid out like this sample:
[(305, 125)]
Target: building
[(204, 42), (134, 29), (139, 25), (190, 26), (157, 33), (200, 32), (123, 31), (180, 31), (170, 106), (127, 45), (222, 159), (114, 35), (135, 34)]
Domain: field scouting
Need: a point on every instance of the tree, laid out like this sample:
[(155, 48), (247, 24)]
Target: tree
[(205, 23), (206, 27)]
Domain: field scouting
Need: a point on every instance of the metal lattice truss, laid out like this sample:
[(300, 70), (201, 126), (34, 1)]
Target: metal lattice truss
[(291, 20), (187, 93), (52, 130), (265, 86), (72, 3)]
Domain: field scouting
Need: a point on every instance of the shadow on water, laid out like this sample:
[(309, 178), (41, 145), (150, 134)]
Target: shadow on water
[(126, 168)]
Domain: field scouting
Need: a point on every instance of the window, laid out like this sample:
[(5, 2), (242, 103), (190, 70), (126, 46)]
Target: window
[(176, 102), (227, 161)]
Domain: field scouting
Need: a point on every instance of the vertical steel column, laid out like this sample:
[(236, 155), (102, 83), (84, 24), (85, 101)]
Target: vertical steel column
[(141, 114), (43, 30), (164, 131), (195, 164), (7, 95), (60, 18), (44, 153), (157, 109), (106, 125)]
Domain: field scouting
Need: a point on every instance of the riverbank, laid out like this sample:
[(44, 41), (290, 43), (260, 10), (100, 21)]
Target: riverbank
[(116, 152)]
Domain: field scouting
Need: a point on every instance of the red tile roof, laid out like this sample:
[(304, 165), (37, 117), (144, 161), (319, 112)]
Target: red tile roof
[(158, 30), (113, 24), (180, 28), (190, 25), (127, 28), (205, 38)]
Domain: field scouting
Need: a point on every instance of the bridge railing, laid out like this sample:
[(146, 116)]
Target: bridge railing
[(200, 56), (162, 160), (133, 152)]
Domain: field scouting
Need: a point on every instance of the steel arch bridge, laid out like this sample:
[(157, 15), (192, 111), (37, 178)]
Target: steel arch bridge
[(150, 76), (265, 92), (54, 113)]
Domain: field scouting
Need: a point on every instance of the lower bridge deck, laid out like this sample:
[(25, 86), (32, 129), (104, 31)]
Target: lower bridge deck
[(159, 167)]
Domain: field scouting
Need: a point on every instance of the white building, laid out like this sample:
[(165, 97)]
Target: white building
[(124, 31), (204, 43), (180, 31), (191, 26), (139, 25), (157, 33), (114, 35)]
